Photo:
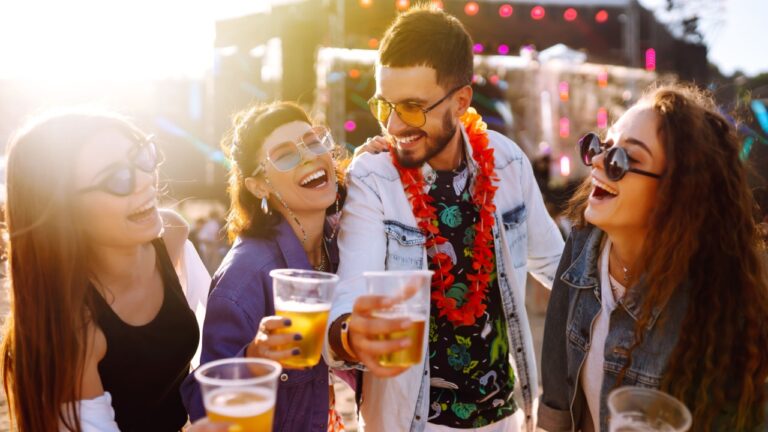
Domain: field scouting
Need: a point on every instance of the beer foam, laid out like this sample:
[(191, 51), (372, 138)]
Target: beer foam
[(413, 316), (295, 306), (239, 402)]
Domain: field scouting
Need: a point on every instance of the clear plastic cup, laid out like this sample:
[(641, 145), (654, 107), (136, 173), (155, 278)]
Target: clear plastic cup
[(637, 409), (304, 296), (240, 391), (412, 287)]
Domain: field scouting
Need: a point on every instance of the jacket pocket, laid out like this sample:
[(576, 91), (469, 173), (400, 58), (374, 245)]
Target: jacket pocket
[(515, 227), (405, 246)]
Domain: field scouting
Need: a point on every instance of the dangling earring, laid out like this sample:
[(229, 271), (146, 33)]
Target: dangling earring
[(264, 206), (293, 215)]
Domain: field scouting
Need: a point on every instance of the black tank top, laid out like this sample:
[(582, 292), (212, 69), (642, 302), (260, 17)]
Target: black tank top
[(145, 365)]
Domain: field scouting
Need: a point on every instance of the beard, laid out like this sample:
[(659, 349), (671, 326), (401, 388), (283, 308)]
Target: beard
[(433, 144)]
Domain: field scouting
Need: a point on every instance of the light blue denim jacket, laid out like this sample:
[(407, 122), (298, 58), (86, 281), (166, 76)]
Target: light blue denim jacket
[(379, 232), (573, 307)]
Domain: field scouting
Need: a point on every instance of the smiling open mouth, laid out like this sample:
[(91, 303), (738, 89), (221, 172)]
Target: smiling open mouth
[(143, 213), (602, 191), (315, 179)]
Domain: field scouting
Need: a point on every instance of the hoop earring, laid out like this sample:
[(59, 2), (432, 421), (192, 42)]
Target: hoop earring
[(264, 206)]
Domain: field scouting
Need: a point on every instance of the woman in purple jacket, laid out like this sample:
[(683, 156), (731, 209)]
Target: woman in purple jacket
[(283, 187)]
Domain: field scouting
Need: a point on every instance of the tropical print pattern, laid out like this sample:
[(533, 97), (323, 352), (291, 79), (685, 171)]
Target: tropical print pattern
[(471, 379)]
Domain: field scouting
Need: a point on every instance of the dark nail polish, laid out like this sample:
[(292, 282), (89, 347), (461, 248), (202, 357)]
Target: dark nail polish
[(295, 351), (287, 322), (297, 337)]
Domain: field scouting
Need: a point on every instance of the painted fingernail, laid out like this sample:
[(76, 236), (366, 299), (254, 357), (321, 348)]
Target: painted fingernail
[(297, 337), (287, 322), (296, 351)]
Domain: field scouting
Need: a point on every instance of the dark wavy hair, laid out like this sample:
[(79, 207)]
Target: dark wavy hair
[(703, 233), (250, 127)]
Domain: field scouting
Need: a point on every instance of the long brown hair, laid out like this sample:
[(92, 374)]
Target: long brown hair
[(44, 341), (250, 127), (702, 232)]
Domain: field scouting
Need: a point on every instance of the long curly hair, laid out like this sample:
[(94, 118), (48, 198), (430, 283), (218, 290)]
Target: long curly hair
[(702, 232)]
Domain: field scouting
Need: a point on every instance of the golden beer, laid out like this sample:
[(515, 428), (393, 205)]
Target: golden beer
[(309, 320), (408, 356), (250, 408)]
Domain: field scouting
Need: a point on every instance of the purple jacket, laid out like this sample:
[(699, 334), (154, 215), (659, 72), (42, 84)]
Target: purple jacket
[(241, 294)]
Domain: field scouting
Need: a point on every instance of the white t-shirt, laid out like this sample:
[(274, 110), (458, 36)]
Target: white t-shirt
[(592, 371)]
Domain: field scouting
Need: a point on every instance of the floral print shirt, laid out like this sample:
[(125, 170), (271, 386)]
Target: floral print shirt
[(471, 379)]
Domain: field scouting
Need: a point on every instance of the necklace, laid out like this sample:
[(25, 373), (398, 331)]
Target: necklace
[(483, 255), (626, 270), (323, 266)]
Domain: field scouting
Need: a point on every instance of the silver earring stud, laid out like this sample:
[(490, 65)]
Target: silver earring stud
[(264, 206)]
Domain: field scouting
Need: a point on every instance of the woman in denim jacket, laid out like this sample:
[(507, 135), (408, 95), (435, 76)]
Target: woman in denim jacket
[(661, 284), (282, 185)]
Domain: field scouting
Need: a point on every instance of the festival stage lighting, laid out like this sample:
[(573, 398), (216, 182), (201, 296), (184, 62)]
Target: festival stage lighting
[(471, 8), (538, 12), (602, 118), (373, 43), (565, 127), (650, 59), (503, 49), (601, 16), (478, 48), (565, 166), (602, 78), (506, 10), (564, 90), (438, 4), (350, 125), (366, 3), (570, 14), (403, 5), (354, 73)]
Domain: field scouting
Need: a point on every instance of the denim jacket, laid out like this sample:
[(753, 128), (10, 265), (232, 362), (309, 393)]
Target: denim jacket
[(241, 295), (379, 232), (573, 307)]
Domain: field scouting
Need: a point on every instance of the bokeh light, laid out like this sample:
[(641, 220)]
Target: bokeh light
[(570, 14), (506, 10), (471, 8), (538, 12)]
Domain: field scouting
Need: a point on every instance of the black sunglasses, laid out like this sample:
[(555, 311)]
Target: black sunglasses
[(616, 158), (121, 176)]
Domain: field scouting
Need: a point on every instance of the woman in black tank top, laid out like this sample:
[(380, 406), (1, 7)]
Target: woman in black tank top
[(100, 334)]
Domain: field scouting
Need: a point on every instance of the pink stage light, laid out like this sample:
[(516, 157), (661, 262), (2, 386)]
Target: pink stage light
[(438, 4), (565, 166), (602, 118), (601, 16), (505, 11), (503, 49), (650, 59), (478, 48), (565, 127), (602, 78), (350, 125), (538, 12), (570, 14), (564, 90), (471, 8)]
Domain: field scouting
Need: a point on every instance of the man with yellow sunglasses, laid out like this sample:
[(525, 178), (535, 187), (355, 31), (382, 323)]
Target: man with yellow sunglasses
[(461, 201)]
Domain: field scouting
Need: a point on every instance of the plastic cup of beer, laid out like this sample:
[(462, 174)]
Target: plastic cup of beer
[(240, 391), (637, 409), (304, 297), (412, 288)]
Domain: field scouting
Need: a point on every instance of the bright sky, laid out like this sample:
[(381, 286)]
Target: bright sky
[(91, 39), (737, 41)]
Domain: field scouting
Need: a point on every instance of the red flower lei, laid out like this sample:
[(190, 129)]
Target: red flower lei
[(482, 249)]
